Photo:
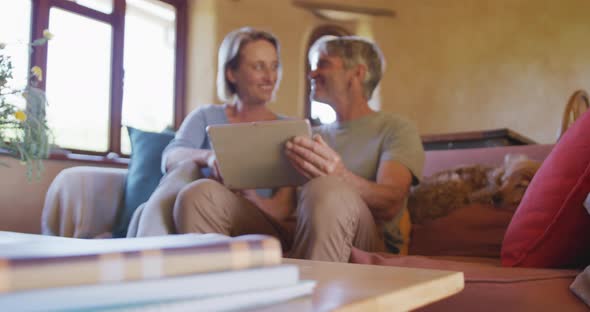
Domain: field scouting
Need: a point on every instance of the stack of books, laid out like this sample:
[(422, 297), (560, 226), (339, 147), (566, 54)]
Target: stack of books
[(193, 272)]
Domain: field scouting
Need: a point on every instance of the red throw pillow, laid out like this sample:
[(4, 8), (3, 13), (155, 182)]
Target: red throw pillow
[(551, 227)]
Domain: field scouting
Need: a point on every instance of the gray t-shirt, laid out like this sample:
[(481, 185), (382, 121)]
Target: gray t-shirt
[(366, 142), (193, 130)]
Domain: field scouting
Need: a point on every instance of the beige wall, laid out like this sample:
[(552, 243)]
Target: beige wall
[(453, 65), (467, 65), (201, 55)]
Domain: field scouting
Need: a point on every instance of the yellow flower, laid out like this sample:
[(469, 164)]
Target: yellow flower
[(47, 35), (37, 72), (20, 116)]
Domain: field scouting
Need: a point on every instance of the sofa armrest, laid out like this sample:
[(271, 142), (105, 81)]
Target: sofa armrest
[(83, 202)]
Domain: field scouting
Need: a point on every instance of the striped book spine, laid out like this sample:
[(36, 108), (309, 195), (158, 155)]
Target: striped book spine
[(116, 260)]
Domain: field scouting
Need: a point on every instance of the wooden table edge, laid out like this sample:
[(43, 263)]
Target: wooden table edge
[(454, 283)]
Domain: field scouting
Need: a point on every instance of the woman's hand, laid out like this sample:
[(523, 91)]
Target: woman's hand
[(213, 165), (280, 206), (314, 158), (202, 157)]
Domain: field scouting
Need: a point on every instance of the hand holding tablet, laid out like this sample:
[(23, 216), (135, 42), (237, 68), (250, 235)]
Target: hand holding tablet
[(252, 155)]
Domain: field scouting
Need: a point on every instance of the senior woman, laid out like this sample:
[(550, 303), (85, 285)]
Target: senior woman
[(249, 72)]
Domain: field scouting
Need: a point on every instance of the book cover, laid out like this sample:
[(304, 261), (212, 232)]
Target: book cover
[(43, 263), (238, 301), (204, 291)]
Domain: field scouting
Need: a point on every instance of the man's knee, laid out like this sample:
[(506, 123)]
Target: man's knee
[(328, 201), (330, 194)]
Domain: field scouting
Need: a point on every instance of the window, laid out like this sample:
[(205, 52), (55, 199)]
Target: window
[(111, 63), (15, 28), (78, 83), (105, 6), (318, 112), (150, 38), (15, 21)]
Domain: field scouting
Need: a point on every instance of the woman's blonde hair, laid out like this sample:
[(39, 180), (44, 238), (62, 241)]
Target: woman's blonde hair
[(229, 58)]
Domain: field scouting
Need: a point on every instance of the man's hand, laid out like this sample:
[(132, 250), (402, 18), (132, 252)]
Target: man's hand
[(314, 158), (279, 207), (384, 197)]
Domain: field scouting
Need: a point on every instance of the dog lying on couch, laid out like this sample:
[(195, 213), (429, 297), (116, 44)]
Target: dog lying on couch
[(502, 186)]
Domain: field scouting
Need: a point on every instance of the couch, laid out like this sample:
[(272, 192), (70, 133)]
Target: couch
[(474, 249), (471, 243)]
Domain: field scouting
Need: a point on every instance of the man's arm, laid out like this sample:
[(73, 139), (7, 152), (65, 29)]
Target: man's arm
[(385, 197)]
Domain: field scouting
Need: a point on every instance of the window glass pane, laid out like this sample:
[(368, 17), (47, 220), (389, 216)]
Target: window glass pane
[(15, 29), (78, 81), (148, 95), (321, 112), (105, 6)]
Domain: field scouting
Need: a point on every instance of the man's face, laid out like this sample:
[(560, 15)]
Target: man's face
[(329, 79)]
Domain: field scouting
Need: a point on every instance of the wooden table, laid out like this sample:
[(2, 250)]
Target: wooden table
[(348, 287), (354, 287)]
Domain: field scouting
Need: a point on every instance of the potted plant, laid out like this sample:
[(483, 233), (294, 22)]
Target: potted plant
[(24, 133)]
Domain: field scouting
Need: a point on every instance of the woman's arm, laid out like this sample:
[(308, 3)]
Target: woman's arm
[(190, 140), (201, 157)]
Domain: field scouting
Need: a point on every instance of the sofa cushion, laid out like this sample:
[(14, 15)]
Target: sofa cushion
[(551, 228), (144, 173), (474, 230), (489, 287)]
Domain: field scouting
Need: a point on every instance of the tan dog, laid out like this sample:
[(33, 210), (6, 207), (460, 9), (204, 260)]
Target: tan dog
[(502, 186)]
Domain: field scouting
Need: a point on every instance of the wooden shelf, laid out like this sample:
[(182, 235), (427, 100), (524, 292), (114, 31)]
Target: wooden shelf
[(473, 139)]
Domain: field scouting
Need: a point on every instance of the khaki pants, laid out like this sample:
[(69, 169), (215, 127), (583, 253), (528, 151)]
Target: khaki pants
[(331, 218), (154, 217)]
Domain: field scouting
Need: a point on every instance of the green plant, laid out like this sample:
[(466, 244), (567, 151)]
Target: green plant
[(24, 133)]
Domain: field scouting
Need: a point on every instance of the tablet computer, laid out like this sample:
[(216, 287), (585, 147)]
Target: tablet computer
[(252, 155)]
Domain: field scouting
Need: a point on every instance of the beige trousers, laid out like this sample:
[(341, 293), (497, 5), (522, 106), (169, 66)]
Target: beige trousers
[(331, 218), (154, 217)]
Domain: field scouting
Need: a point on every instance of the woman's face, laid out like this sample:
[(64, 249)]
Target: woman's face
[(257, 73)]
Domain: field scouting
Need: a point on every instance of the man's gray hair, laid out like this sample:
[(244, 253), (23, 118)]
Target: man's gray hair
[(354, 51), (229, 58)]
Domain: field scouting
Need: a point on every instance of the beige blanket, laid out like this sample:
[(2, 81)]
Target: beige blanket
[(83, 202)]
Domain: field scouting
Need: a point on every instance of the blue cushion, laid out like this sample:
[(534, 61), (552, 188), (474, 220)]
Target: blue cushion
[(144, 173)]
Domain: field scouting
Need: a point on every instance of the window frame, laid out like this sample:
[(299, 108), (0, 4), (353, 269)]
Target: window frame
[(40, 21)]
